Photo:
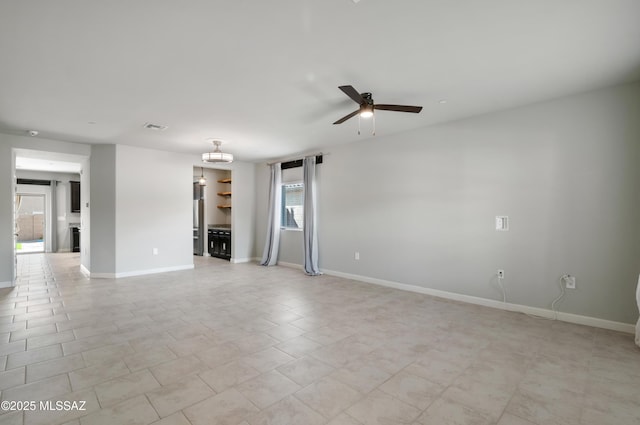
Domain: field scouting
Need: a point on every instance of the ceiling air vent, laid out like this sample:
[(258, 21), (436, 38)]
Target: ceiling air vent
[(156, 127)]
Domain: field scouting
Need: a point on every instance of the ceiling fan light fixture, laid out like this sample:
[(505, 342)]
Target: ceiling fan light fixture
[(366, 111), (202, 181), (217, 156)]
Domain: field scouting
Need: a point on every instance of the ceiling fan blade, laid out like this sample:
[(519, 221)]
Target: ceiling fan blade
[(346, 117), (353, 94), (399, 108)]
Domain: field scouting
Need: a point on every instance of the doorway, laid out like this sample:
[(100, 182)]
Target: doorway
[(30, 223)]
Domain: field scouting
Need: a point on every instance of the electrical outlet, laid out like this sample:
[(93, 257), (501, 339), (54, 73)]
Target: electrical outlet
[(356, 255), (570, 281), (500, 274)]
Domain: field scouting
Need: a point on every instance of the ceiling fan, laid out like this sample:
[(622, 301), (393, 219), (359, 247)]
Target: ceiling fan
[(367, 106)]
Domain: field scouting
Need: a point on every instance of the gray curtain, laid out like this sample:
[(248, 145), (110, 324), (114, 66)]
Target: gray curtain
[(272, 243), (310, 231)]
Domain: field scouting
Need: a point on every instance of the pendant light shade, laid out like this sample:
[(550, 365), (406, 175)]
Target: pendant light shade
[(202, 181), (217, 156)]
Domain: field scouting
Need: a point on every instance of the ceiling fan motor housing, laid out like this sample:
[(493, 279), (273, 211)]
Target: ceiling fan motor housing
[(368, 100)]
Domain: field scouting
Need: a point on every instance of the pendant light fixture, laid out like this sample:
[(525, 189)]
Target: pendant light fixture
[(217, 156), (202, 181)]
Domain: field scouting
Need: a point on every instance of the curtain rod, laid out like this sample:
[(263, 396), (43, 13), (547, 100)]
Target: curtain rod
[(297, 157)]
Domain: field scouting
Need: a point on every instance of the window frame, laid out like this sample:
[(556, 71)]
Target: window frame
[(283, 207)]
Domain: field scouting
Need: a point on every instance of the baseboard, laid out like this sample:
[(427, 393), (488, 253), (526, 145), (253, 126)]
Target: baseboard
[(242, 260), (85, 271), (536, 311), (140, 272), (7, 284)]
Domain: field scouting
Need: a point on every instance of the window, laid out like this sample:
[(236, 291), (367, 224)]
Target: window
[(292, 205)]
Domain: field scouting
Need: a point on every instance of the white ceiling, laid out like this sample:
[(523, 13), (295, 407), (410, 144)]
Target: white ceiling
[(35, 164), (263, 75)]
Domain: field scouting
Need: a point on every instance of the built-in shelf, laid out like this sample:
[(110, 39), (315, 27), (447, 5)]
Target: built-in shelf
[(224, 206), (224, 181), (224, 193)]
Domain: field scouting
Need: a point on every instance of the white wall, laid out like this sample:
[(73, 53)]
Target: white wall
[(565, 172), (153, 210)]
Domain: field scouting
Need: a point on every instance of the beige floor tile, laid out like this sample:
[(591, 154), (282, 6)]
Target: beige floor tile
[(175, 370), (149, 358), (544, 412), (92, 375), (135, 411), (38, 371), (93, 330), (32, 332), (12, 347), (485, 397), (380, 408), (298, 346), (191, 345), (219, 354), (255, 342), (266, 360), (447, 412), (412, 389), (33, 356), (305, 370), (372, 336), (284, 332), (344, 419), (228, 375), (267, 388), (287, 411), (176, 419), (13, 418), (328, 396), (178, 395), (107, 354), (361, 376), (435, 370), (509, 419), (325, 335), (227, 408), (125, 387), (40, 390), (50, 339), (12, 378)]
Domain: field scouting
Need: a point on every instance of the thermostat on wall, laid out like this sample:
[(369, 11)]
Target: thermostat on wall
[(502, 223)]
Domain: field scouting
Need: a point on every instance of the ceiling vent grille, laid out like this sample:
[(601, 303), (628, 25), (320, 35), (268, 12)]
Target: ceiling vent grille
[(155, 127)]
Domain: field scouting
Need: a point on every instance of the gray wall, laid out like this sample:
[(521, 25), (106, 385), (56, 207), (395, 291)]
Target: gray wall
[(153, 209), (7, 184), (102, 211), (243, 213), (420, 206)]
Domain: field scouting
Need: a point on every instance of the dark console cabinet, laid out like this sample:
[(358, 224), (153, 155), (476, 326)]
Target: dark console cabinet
[(75, 196), (220, 243)]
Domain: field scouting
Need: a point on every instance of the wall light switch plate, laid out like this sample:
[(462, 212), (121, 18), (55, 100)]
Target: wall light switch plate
[(502, 223)]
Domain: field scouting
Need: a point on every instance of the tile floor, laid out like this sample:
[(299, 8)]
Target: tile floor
[(247, 345)]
